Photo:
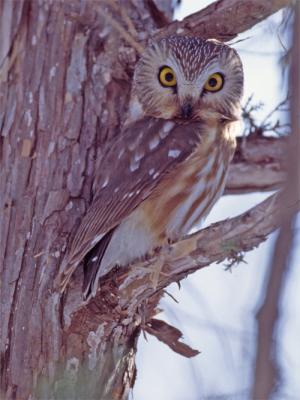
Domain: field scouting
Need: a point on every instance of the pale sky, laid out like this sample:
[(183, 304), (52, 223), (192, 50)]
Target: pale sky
[(216, 308)]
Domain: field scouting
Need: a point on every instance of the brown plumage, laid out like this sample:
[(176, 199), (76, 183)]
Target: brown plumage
[(169, 164)]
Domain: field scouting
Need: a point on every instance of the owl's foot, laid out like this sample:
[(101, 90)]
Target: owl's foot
[(156, 268)]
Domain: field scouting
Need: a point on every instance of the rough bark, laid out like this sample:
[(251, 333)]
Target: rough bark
[(64, 86), (65, 79)]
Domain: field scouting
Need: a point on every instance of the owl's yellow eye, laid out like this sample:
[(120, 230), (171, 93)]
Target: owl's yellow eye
[(214, 83), (167, 77)]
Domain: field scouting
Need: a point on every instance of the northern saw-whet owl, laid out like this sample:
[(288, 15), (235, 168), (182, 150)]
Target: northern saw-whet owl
[(168, 166)]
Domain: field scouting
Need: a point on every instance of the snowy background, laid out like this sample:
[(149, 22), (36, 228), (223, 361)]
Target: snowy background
[(216, 310)]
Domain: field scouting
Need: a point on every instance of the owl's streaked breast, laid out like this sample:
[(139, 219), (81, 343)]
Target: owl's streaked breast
[(185, 197), (179, 202)]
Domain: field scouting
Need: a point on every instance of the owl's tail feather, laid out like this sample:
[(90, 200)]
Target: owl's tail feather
[(92, 262)]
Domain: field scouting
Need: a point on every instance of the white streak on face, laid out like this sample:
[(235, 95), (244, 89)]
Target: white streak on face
[(154, 143), (104, 184), (173, 153), (94, 259)]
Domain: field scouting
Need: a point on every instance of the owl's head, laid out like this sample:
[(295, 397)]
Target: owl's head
[(189, 78)]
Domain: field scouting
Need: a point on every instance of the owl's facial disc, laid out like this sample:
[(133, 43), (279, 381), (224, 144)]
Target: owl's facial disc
[(189, 78)]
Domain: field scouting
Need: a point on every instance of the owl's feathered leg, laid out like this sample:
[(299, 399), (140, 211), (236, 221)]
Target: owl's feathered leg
[(155, 269)]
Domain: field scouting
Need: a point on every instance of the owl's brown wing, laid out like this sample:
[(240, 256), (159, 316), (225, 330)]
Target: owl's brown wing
[(131, 169)]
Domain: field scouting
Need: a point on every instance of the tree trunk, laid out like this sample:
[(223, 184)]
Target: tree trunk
[(65, 81)]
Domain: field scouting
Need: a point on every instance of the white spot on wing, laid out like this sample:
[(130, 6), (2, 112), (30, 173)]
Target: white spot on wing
[(166, 129), (138, 155), (151, 171), (173, 153), (134, 165), (105, 182), (121, 153), (154, 143), (155, 175)]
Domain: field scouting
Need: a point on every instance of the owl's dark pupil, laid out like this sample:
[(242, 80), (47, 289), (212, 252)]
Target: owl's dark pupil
[(212, 82), (169, 77)]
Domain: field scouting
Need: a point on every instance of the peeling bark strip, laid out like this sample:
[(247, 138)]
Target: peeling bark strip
[(170, 336), (65, 77)]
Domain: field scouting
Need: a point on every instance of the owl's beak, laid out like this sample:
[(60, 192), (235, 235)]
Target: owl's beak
[(186, 110), (188, 97)]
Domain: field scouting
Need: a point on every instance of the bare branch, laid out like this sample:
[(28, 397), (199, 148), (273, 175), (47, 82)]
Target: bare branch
[(216, 20), (258, 165), (133, 289)]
